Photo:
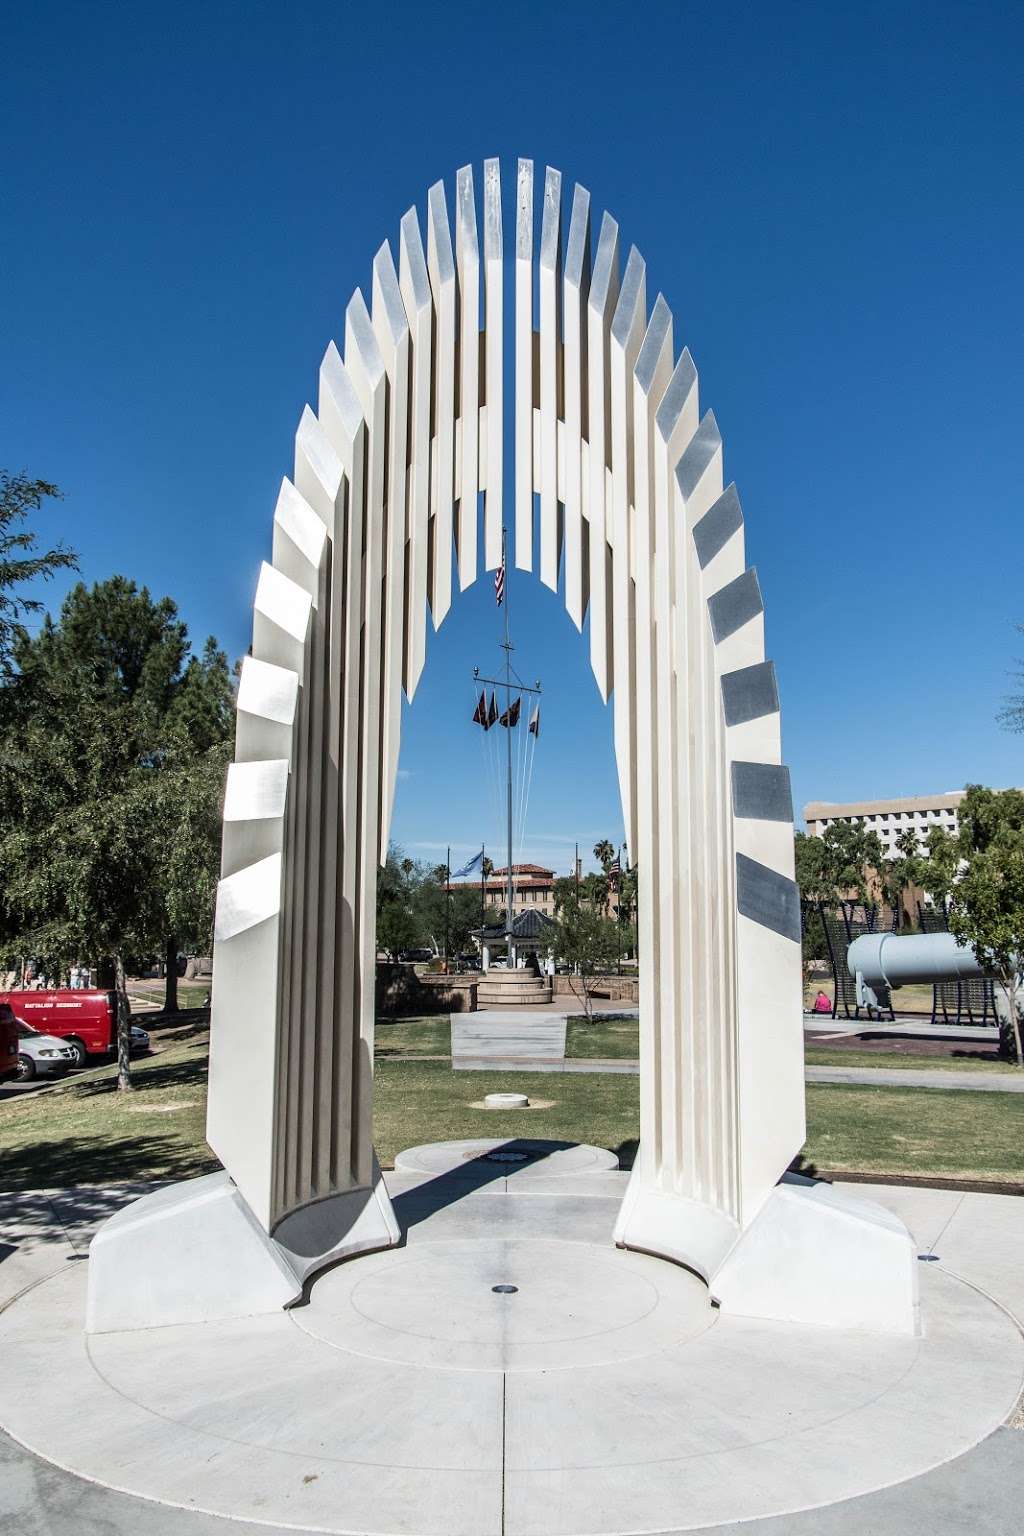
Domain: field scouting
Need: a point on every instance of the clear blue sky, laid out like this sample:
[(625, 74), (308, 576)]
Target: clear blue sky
[(829, 196)]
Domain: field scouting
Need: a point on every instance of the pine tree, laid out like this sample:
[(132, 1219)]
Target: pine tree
[(113, 746), (20, 562)]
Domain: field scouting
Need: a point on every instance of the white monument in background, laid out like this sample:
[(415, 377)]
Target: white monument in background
[(620, 497)]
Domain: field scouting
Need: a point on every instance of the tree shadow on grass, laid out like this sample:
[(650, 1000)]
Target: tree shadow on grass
[(73, 1161), (151, 1079)]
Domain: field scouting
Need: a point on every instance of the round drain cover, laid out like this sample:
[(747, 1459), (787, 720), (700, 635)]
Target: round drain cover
[(506, 1101), (505, 1290)]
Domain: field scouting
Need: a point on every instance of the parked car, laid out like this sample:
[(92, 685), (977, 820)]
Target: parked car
[(85, 1021), (140, 1039), (10, 1042), (41, 1055), (417, 954)]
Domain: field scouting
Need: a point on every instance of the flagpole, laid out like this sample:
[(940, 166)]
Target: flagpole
[(508, 754), (447, 899)]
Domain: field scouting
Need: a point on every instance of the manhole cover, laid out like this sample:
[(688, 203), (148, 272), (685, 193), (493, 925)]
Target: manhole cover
[(505, 1290)]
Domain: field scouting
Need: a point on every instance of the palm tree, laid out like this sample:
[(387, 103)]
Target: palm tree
[(604, 853)]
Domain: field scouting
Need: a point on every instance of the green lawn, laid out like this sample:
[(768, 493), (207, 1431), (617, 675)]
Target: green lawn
[(915, 1131), (191, 994), (605, 1036), (836, 1056), (427, 1101), (430, 1036), (85, 1132)]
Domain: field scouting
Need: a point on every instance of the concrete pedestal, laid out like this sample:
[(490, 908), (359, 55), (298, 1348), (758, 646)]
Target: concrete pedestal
[(507, 1370), (513, 989), (194, 1253), (812, 1255)]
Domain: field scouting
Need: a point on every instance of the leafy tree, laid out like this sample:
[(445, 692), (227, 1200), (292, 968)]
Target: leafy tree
[(838, 866), (1011, 716), (411, 901), (396, 920), (813, 873), (397, 928), (187, 807), (113, 740), (432, 895), (982, 871), (588, 942), (20, 562), (585, 937)]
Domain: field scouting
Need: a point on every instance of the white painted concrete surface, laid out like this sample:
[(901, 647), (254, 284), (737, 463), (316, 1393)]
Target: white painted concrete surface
[(604, 1396), (486, 1037)]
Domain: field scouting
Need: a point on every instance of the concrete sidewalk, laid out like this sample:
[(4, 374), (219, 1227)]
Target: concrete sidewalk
[(919, 1027), (978, 1236), (944, 1079), (911, 1077)]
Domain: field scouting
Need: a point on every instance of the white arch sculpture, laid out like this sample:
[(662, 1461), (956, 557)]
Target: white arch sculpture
[(620, 494)]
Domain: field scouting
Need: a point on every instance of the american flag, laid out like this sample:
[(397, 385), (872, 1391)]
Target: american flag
[(499, 584)]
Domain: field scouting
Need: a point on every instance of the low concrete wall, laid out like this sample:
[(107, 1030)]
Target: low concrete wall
[(619, 989), (403, 989)]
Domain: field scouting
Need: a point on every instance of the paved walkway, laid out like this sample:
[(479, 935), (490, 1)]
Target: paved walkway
[(910, 1077), (979, 1237), (947, 1079), (919, 1027)]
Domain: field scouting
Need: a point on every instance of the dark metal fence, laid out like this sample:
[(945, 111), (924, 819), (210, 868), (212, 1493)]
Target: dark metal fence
[(841, 925), (957, 1002)]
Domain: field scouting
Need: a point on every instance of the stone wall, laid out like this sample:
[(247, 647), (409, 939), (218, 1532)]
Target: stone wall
[(620, 989), (401, 989)]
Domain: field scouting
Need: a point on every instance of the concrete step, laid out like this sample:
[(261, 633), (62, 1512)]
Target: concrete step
[(514, 989), (515, 994)]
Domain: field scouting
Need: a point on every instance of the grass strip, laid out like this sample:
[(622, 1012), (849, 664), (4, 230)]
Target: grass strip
[(86, 1133)]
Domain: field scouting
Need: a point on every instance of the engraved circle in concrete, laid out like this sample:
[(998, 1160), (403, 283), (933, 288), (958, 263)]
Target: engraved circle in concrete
[(484, 1158), (575, 1305), (260, 1419)]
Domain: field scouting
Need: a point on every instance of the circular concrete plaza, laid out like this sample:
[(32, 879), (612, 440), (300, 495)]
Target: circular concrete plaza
[(506, 1371)]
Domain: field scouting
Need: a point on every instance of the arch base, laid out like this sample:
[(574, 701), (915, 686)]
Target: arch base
[(812, 1255), (195, 1253)]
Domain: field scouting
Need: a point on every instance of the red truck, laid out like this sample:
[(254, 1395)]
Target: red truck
[(9, 1038), (86, 1020)]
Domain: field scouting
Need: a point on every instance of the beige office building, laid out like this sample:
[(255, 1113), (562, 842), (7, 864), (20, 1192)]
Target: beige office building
[(889, 818)]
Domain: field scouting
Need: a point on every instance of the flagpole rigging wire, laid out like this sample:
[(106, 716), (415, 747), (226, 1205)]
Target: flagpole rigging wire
[(519, 755), (489, 754)]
